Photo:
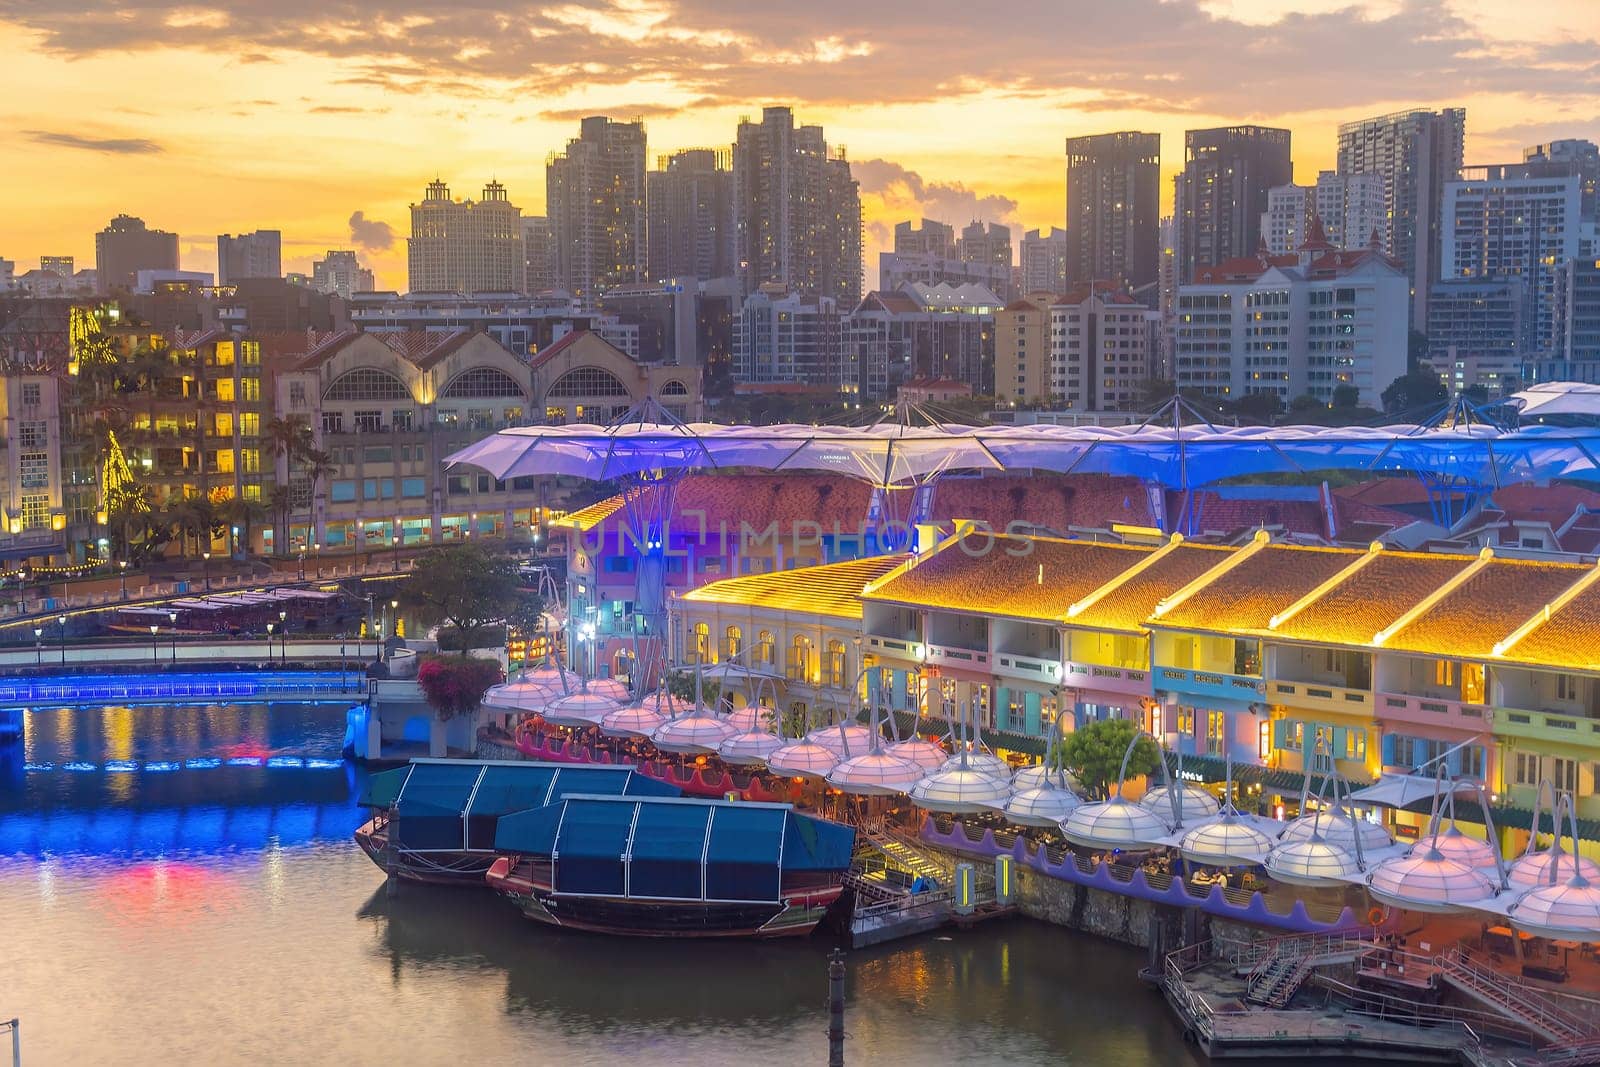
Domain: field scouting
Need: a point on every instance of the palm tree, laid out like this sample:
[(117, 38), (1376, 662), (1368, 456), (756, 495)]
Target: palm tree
[(320, 466), (244, 513), (279, 501)]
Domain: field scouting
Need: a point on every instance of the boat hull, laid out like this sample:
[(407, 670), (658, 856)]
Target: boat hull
[(463, 869)]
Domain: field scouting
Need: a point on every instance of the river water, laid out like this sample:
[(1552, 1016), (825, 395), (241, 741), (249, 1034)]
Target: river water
[(216, 911)]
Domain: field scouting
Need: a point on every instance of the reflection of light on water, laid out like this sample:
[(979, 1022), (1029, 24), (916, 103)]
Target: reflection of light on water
[(273, 859), (170, 892), (47, 882)]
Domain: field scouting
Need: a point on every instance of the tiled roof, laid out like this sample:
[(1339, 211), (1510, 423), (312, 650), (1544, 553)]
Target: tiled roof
[(1544, 503), (1051, 503), (1004, 577), (1130, 604), (728, 500), (1372, 598), (1569, 638), (1226, 514), (1486, 609), (832, 589), (585, 519), (1246, 597)]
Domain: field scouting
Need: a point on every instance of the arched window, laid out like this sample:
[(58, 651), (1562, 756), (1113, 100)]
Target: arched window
[(367, 383), (587, 382), (702, 642), (799, 665), (481, 383), (674, 388), (732, 642), (836, 665), (765, 648)]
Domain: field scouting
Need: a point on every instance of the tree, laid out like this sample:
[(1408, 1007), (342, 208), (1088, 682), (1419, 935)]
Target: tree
[(680, 684), (1346, 396), (244, 513), (1304, 402), (462, 585), (1414, 389), (1262, 407), (1093, 753), (280, 501), (454, 685)]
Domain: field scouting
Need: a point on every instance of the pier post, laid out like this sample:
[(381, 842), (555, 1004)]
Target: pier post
[(836, 1009)]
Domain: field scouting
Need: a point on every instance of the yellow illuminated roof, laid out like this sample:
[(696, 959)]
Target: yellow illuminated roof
[(832, 589), (1373, 597), (1022, 578), (1485, 609), (1569, 638), (1246, 597), (585, 519), (1128, 605)]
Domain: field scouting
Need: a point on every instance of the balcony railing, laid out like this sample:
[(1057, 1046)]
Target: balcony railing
[(1541, 725), (955, 656), (1028, 668), (1431, 711), (1209, 683), (1100, 676), (1322, 696)]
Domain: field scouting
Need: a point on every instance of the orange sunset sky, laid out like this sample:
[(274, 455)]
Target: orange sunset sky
[(296, 114)]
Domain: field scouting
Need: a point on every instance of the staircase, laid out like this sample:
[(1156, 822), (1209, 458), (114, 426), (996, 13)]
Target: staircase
[(906, 853), (1278, 979), (1522, 1005)]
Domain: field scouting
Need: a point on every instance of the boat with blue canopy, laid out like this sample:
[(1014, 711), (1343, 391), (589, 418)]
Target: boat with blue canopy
[(440, 816), (672, 867)]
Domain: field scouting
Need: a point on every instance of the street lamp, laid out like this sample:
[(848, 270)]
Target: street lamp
[(122, 565), (235, 553), (283, 633), (206, 556), (38, 645), (302, 564), (172, 617), (62, 619), (397, 553), (316, 552), (153, 647), (269, 641)]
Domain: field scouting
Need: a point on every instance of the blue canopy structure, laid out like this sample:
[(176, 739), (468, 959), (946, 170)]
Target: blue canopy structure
[(456, 805), (675, 849)]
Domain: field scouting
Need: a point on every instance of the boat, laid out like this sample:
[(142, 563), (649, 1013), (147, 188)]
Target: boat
[(441, 815), (672, 867)]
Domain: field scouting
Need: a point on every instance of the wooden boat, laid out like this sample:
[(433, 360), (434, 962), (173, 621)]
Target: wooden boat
[(672, 867), (435, 819)]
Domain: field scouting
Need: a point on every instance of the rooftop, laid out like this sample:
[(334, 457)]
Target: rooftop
[(1372, 598), (1128, 605), (1570, 637), (832, 589), (1250, 594), (1485, 609)]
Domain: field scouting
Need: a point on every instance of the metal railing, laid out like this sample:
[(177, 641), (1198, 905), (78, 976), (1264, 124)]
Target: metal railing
[(1518, 1000)]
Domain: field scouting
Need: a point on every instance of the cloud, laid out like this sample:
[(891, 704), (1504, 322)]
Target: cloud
[(908, 193), (370, 233), (118, 146), (630, 111), (329, 109)]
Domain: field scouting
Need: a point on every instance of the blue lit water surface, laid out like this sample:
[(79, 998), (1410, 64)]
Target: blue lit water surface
[(179, 885)]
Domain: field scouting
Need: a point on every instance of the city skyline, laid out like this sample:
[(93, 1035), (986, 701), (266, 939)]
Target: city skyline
[(980, 138)]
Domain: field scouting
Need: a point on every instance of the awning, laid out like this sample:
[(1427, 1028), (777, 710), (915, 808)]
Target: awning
[(1404, 790)]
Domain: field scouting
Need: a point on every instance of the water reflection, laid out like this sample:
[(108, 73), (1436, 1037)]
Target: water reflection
[(230, 904)]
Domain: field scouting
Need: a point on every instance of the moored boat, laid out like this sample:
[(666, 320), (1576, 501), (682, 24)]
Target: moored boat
[(672, 867), (436, 819)]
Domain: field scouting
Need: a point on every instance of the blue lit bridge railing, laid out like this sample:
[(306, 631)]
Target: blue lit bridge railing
[(251, 687)]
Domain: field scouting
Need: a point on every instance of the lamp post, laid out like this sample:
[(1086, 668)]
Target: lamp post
[(38, 646), (316, 552), (269, 641), (397, 553), (154, 653), (62, 620), (302, 564), (235, 553), (206, 558), (172, 617), (122, 565), (283, 633), (343, 667)]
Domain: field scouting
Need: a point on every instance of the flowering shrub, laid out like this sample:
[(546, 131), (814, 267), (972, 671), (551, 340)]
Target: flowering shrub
[(454, 685)]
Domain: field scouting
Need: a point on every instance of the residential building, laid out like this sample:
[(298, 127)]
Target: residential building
[(920, 332), (127, 246), (1477, 333), (985, 244), (1578, 318), (1290, 209), (781, 335), (1091, 349), (1022, 350), (691, 230), (1414, 153), (1044, 257), (1113, 207), (341, 272), (595, 197), (538, 252), (663, 313), (1351, 207), (1504, 226), (896, 270), (1583, 157), (1295, 325), (523, 325), (464, 246), (42, 282), (62, 265), (930, 238), (1222, 192), (8, 275), (249, 255), (797, 210), (1167, 296)]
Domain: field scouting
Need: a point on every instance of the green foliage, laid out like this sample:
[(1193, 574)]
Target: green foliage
[(1346, 396), (1419, 388), (681, 685), (462, 585), (1093, 753)]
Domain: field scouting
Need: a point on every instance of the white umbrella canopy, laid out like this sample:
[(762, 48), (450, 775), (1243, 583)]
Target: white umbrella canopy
[(1042, 774), (524, 697), (1336, 829), (1428, 881), (875, 773), (959, 790), (1403, 790), (580, 709), (1455, 845), (698, 731), (1226, 841), (1534, 869), (803, 759), (751, 746), (1568, 911), (641, 718), (1312, 862), (1041, 805), (749, 717), (925, 754), (1117, 823), (841, 736), (987, 763), (1195, 802), (610, 687)]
